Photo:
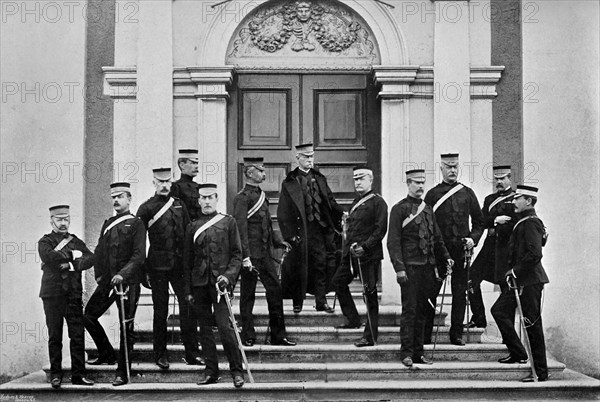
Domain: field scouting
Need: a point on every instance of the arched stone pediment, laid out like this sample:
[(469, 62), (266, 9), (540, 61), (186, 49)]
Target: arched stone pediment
[(303, 34)]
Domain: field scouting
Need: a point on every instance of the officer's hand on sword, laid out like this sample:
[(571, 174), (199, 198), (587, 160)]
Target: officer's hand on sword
[(401, 277)]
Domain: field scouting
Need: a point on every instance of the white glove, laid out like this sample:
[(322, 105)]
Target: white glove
[(77, 254)]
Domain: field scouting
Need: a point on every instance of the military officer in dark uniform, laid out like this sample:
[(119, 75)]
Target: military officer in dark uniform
[(120, 255), (212, 255), (365, 228), (165, 219), (186, 189), (63, 257), (453, 203), (251, 212), (308, 216), (524, 261), (491, 262), (415, 245)]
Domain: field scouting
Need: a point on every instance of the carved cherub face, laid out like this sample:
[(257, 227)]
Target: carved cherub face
[(303, 11)]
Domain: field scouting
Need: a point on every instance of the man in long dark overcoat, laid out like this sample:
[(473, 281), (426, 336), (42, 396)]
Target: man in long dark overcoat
[(308, 217)]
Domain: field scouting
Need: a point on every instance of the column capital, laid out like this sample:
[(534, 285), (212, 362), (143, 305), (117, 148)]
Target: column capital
[(120, 82), (395, 81), (210, 82), (483, 81)]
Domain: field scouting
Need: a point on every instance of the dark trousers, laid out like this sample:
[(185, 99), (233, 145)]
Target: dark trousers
[(321, 255), (415, 303), (205, 302), (58, 310), (459, 301), (159, 281), (267, 272), (476, 299), (102, 298), (504, 315), (343, 277)]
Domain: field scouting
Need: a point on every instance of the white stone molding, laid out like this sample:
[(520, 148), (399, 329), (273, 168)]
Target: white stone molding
[(120, 82), (484, 80), (202, 82)]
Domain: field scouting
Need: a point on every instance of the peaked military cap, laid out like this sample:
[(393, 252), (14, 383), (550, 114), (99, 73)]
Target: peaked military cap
[(527, 191), (60, 211), (501, 171), (361, 171), (257, 162), (191, 154), (119, 188), (207, 189), (162, 173), (305, 149), (449, 159), (417, 175)]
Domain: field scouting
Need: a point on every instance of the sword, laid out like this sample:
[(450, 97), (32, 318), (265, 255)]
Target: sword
[(513, 285), (121, 293), (225, 293), (437, 328), (364, 288), (469, 289)]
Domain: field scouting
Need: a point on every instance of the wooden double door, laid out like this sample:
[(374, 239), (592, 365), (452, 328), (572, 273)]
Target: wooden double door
[(269, 114)]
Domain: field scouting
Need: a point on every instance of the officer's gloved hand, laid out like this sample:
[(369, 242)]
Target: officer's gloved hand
[(449, 265), (469, 243), (64, 266), (77, 254), (502, 219), (357, 250), (286, 245), (189, 299), (146, 282), (246, 263), (116, 280), (401, 277), (223, 282)]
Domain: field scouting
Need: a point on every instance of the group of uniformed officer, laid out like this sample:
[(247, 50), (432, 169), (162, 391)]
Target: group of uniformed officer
[(201, 253)]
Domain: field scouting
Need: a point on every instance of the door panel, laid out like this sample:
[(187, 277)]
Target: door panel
[(271, 113)]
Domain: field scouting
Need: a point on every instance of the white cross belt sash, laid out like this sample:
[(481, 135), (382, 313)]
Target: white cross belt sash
[(116, 222), (259, 203), (63, 243), (522, 220), (161, 212), (449, 194), (208, 224), (411, 217), (361, 201), (499, 200)]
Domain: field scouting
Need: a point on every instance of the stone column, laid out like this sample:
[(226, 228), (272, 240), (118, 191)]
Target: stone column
[(451, 56), (212, 98), (154, 107), (395, 90)]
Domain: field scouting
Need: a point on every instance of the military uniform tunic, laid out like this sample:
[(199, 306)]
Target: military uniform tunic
[(453, 219), (258, 238), (164, 265), (524, 258), (366, 226), (186, 189), (415, 249), (216, 251), (121, 250), (60, 292)]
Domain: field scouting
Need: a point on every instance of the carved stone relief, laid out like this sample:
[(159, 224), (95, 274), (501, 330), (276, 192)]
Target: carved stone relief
[(318, 30)]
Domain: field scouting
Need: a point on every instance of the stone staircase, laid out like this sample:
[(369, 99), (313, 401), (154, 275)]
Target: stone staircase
[(323, 366)]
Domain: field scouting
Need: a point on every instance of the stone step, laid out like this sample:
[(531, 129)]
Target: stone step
[(335, 352), (326, 372), (321, 334), (567, 386), (388, 316)]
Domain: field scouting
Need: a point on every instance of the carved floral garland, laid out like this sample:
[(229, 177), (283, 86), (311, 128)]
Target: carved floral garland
[(334, 35)]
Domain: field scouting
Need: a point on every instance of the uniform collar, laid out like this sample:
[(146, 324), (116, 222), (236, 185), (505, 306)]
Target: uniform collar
[(186, 177), (414, 200), (529, 212), (209, 215), (252, 187)]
